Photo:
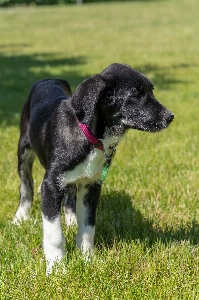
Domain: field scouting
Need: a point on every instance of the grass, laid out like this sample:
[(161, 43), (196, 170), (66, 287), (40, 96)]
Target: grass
[(147, 235)]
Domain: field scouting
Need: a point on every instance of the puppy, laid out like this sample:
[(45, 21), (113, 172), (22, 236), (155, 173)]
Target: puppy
[(74, 137)]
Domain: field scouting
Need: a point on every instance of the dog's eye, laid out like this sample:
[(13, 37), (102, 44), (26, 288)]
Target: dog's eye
[(136, 93)]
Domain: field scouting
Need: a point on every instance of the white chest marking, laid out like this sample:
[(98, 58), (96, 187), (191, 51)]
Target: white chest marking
[(90, 168)]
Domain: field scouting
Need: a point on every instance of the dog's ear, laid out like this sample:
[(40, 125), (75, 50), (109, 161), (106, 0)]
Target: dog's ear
[(86, 97)]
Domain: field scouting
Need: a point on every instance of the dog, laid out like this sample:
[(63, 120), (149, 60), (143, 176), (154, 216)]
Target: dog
[(75, 137)]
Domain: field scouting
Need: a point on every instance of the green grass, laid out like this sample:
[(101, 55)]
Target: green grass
[(147, 235)]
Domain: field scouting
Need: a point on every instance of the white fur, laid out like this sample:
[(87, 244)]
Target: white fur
[(110, 142), (24, 207), (53, 241), (85, 240), (22, 212), (25, 203), (85, 233), (90, 168), (70, 217)]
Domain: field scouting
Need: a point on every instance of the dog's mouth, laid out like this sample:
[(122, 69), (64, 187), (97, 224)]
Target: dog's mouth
[(149, 126)]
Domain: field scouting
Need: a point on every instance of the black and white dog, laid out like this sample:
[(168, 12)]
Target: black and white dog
[(74, 137)]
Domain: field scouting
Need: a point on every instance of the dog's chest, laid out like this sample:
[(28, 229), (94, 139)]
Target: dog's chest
[(90, 169)]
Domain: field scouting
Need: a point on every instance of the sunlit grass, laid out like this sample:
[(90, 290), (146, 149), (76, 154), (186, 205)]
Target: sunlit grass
[(148, 218)]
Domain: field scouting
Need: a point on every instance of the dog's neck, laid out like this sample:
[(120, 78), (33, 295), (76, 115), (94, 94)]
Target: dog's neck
[(104, 140), (90, 136)]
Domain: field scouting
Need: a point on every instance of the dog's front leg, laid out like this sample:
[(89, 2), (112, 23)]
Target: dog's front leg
[(87, 200), (53, 238)]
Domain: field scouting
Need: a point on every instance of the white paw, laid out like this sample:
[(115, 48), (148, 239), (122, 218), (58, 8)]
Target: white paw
[(85, 241), (53, 242), (21, 215), (53, 254), (70, 218)]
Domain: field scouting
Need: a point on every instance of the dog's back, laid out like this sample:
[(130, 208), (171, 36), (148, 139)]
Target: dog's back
[(47, 93)]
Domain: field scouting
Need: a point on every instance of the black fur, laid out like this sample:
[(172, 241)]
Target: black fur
[(110, 103)]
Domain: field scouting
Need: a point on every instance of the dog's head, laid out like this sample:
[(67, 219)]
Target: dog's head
[(120, 98)]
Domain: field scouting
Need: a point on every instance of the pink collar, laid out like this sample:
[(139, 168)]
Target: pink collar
[(92, 139)]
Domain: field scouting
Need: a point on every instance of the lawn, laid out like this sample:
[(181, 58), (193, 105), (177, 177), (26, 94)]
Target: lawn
[(147, 234)]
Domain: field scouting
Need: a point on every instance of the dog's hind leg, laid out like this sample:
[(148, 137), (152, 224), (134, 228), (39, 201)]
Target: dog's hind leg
[(26, 157), (69, 205), (25, 161), (87, 200)]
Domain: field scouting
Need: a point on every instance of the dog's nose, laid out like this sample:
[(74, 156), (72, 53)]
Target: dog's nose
[(170, 118)]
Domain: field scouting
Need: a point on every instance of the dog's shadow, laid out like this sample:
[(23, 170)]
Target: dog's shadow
[(118, 220)]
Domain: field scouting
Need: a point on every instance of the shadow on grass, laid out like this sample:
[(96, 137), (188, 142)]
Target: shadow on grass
[(163, 77), (119, 221), (18, 73)]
